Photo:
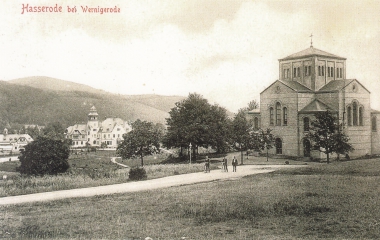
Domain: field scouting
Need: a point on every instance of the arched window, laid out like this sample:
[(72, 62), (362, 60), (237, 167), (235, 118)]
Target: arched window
[(298, 72), (349, 119), (294, 72), (319, 71), (278, 114), (305, 71), (354, 114), (360, 116), (271, 118), (306, 124), (278, 146), (309, 70), (256, 123), (374, 123), (323, 70), (285, 115), (341, 72)]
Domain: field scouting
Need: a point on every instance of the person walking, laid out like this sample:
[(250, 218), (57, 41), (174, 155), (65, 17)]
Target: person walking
[(225, 164), (207, 164), (234, 164)]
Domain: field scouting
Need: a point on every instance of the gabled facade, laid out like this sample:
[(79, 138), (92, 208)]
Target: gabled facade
[(95, 132), (13, 142), (312, 81)]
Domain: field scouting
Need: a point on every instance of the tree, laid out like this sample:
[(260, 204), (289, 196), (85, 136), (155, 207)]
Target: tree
[(144, 139), (34, 132), (54, 130), (251, 105), (219, 129), (262, 139), (193, 120), (326, 135), (241, 129), (341, 142), (103, 145), (45, 156)]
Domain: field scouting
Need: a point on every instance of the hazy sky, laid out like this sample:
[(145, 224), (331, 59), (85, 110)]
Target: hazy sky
[(226, 50)]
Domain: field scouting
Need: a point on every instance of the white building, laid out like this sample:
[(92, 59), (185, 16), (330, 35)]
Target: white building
[(95, 132), (13, 142)]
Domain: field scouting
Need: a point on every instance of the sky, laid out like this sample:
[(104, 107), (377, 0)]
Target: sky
[(225, 50)]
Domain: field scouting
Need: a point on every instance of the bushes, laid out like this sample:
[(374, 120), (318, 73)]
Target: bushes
[(45, 156), (136, 174)]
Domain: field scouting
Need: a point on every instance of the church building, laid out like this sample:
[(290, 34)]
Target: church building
[(312, 81)]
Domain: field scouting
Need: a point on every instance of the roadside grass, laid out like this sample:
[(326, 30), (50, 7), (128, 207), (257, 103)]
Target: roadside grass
[(87, 170), (322, 201), (9, 166)]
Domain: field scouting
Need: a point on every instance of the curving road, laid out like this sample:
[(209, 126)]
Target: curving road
[(177, 180)]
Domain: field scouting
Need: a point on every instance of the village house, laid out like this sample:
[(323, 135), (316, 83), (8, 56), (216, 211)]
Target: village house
[(13, 143), (312, 81), (95, 132)]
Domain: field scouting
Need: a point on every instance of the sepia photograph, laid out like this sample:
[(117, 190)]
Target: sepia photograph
[(189, 119)]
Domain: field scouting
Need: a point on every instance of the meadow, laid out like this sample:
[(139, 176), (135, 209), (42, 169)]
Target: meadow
[(87, 170), (321, 201)]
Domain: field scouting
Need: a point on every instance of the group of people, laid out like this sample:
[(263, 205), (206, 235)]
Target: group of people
[(225, 164)]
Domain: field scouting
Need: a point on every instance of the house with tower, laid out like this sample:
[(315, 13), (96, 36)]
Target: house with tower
[(312, 81), (95, 132)]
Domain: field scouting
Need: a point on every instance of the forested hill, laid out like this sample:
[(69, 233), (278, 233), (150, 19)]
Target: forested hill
[(41, 102)]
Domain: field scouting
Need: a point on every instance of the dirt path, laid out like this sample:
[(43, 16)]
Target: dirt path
[(158, 183), (113, 159)]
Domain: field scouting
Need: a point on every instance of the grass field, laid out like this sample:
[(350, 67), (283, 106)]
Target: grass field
[(87, 170), (326, 201)]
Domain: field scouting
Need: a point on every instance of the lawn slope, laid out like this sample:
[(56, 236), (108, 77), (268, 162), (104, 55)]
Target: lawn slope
[(335, 201)]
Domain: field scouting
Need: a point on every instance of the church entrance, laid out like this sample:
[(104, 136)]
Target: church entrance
[(278, 146), (306, 148)]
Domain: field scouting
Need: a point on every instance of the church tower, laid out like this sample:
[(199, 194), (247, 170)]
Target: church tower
[(312, 68)]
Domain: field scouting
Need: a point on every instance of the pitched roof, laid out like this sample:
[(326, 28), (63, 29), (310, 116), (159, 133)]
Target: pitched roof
[(253, 111), (316, 106), (109, 124), (309, 52), (77, 128), (337, 85), (15, 137), (295, 86)]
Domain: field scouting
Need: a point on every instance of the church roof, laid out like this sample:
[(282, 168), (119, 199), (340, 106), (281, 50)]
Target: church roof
[(309, 52), (316, 106), (337, 85), (296, 86)]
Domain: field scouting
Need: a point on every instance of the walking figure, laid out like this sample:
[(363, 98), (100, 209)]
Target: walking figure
[(225, 165), (207, 165), (234, 164)]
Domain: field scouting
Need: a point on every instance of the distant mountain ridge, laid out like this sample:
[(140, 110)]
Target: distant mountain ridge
[(54, 84), (40, 100)]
